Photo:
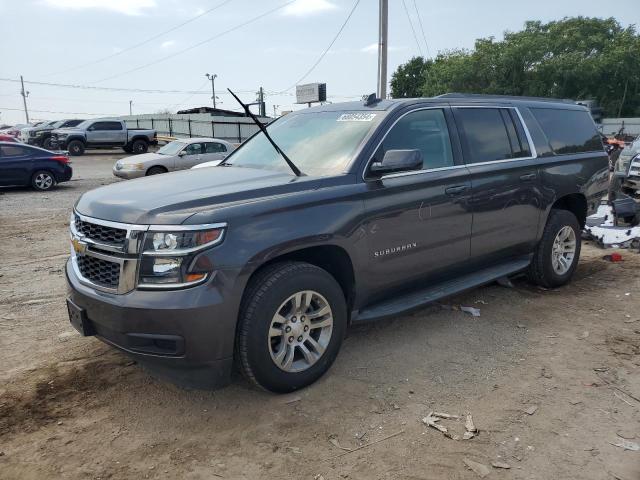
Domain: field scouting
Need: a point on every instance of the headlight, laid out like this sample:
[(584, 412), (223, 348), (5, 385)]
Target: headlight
[(171, 258), (130, 166), (39, 134), (622, 165)]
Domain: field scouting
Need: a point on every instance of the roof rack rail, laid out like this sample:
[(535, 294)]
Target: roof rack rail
[(480, 96)]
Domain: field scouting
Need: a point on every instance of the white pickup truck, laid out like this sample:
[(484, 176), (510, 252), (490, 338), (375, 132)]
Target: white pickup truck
[(103, 133)]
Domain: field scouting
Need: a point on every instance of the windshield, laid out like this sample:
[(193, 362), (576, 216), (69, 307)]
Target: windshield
[(84, 124), (171, 148), (319, 144), (56, 124)]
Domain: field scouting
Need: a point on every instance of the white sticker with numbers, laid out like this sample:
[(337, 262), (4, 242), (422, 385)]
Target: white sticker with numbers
[(356, 117)]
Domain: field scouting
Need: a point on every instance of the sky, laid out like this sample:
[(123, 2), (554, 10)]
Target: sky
[(247, 43)]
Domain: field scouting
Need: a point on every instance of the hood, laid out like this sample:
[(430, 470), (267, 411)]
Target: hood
[(144, 157), (172, 198), (67, 130)]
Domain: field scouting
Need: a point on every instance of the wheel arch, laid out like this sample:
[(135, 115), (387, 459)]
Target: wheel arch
[(331, 258), (166, 170), (575, 203)]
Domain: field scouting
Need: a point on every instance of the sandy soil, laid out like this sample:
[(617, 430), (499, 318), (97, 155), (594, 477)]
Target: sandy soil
[(71, 407)]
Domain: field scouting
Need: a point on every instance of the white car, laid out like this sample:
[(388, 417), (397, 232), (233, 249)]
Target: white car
[(180, 154)]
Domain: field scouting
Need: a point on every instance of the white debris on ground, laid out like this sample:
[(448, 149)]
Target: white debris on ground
[(600, 227)]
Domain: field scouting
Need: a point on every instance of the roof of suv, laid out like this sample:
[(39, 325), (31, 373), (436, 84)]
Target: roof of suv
[(448, 98)]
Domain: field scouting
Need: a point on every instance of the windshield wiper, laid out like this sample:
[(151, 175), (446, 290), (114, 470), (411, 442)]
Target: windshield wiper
[(263, 129)]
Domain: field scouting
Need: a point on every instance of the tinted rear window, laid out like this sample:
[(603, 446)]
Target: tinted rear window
[(568, 131), (486, 134)]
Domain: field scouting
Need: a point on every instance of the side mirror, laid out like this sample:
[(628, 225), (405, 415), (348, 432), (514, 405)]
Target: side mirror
[(182, 153), (397, 161)]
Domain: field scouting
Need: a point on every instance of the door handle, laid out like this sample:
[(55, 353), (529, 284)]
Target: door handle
[(528, 176), (457, 190)]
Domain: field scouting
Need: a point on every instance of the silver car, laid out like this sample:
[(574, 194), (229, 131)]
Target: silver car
[(178, 155)]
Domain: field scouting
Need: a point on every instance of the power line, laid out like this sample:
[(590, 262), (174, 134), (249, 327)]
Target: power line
[(144, 42), (424, 37), (412, 29), (189, 97), (65, 113), (110, 89), (195, 45), (322, 55)]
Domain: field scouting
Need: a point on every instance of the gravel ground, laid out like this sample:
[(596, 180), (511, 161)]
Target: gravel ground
[(550, 377)]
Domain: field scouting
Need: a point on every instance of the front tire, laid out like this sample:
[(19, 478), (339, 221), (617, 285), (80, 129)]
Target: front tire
[(47, 143), (43, 180), (292, 322), (556, 256), (156, 171)]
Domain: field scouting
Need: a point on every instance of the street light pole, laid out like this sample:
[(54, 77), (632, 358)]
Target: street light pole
[(130, 107), (382, 49), (213, 87)]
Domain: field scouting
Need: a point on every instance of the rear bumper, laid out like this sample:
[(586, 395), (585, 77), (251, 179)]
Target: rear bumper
[(185, 336), (65, 175)]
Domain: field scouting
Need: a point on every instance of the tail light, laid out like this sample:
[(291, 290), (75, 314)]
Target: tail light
[(60, 158)]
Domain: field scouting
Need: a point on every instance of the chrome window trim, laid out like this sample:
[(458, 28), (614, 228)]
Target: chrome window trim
[(532, 147)]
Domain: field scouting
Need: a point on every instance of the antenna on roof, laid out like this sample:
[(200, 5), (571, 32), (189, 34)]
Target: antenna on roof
[(370, 99)]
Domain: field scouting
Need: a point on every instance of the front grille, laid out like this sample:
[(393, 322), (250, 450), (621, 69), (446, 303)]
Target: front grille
[(100, 272), (100, 233)]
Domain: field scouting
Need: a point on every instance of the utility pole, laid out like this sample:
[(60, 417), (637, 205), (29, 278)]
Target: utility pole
[(275, 114), (130, 107), (263, 112), (382, 49), (213, 87), (24, 99)]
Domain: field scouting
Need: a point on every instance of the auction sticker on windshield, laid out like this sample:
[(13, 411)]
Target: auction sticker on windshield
[(356, 117)]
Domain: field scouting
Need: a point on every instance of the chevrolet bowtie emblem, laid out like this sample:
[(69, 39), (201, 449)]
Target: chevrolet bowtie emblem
[(78, 246)]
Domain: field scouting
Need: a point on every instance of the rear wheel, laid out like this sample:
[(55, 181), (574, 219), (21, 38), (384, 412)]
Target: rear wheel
[(75, 147), (156, 171), (292, 322), (139, 146), (43, 180), (557, 254)]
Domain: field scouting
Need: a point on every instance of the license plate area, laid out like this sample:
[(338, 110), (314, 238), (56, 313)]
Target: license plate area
[(79, 320)]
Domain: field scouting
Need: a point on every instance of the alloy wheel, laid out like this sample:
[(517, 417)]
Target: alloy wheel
[(300, 331), (43, 181), (563, 251)]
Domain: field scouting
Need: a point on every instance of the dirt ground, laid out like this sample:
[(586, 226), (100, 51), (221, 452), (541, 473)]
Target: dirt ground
[(72, 407)]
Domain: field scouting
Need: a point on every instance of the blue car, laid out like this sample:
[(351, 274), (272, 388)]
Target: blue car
[(24, 165)]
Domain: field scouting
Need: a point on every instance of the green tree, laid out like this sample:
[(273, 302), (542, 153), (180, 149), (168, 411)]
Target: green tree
[(407, 81), (577, 58)]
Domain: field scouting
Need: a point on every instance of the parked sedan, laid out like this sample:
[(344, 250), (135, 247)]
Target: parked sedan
[(177, 155), (24, 165)]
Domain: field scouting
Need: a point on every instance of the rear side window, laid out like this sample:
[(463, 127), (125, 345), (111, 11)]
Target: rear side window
[(13, 151), (568, 131), (212, 147), (491, 134), (424, 130), (107, 126)]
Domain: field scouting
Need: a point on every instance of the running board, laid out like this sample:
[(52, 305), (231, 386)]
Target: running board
[(416, 299)]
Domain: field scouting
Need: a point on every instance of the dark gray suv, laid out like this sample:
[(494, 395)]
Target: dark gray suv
[(397, 203)]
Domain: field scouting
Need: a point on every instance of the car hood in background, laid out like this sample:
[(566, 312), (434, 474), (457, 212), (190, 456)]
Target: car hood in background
[(173, 197), (142, 158)]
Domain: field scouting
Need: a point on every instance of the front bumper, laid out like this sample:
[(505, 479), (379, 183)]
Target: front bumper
[(186, 336)]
